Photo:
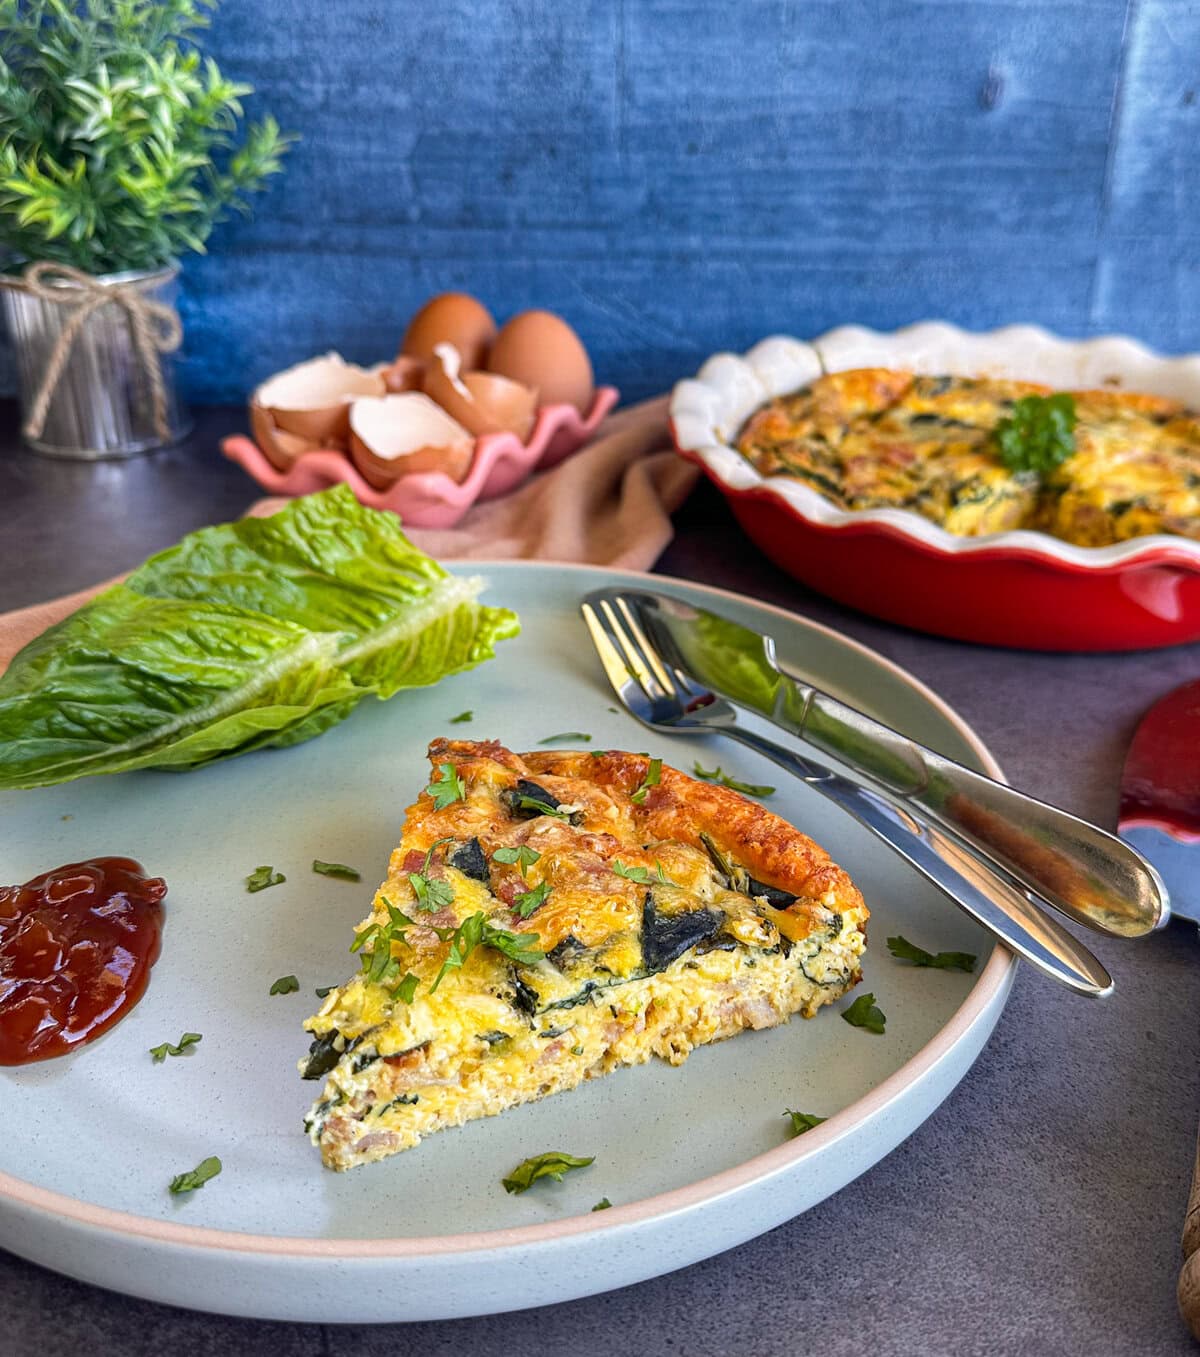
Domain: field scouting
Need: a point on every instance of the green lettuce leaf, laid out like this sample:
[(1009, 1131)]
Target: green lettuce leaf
[(259, 633)]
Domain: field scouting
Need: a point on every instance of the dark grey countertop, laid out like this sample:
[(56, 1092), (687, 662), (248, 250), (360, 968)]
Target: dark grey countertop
[(1038, 1210)]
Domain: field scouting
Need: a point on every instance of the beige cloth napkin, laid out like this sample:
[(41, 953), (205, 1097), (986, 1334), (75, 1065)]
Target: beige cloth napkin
[(608, 504)]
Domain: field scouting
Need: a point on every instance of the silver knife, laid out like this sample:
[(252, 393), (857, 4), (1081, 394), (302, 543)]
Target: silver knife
[(1082, 870)]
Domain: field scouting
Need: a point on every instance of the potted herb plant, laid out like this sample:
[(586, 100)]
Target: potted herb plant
[(120, 148)]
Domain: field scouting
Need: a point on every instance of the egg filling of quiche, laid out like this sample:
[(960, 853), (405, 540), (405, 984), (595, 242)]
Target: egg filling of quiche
[(549, 917), (872, 438)]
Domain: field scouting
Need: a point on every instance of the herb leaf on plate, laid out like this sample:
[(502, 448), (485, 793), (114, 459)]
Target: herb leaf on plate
[(262, 877), (552, 1164), (864, 1013), (803, 1121), (189, 1181), (185, 1042), (903, 950), (263, 632), (286, 984), (336, 869)]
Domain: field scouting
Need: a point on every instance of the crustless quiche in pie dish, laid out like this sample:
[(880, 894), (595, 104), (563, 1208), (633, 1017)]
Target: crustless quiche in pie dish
[(551, 917), (874, 466)]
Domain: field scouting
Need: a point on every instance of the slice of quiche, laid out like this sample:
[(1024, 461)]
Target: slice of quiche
[(549, 917)]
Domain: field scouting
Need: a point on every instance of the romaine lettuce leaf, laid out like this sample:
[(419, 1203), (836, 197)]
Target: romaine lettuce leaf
[(259, 633)]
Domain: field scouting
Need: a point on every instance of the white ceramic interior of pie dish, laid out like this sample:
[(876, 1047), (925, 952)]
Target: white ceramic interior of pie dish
[(708, 410), (694, 1159)]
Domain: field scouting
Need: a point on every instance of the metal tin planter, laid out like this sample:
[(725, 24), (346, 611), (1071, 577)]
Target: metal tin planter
[(102, 405)]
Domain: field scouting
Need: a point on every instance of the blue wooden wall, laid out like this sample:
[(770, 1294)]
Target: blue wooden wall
[(677, 176)]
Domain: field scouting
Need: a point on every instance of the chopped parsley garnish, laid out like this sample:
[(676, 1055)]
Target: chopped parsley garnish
[(523, 857), (652, 779), (903, 950), (325, 991), (338, 869), (432, 894), (803, 1121), (602, 1205), (567, 735), (448, 788), (188, 1039), (407, 988), (262, 877), (1039, 434), (527, 903), (197, 1177), (378, 964), (597, 753), (552, 1164), (286, 984), (522, 802), (476, 931), (462, 718), (863, 1013), (746, 788), (641, 874)]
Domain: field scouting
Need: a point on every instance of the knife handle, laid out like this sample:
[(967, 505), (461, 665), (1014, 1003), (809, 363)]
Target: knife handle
[(1088, 874), (1188, 1290)]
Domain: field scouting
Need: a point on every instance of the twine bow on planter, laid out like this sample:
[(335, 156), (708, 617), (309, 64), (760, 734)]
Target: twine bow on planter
[(154, 328)]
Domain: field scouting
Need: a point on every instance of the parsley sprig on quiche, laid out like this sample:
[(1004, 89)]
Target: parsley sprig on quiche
[(549, 917)]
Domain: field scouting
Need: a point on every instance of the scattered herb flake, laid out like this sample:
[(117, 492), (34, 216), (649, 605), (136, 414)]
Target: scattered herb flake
[(432, 895), (197, 1177), (462, 718), (652, 779), (286, 984), (475, 931), (567, 735), (863, 1013), (337, 869), (448, 788), (262, 877), (614, 711), (186, 1041), (523, 802), (552, 1164), (803, 1121), (903, 950), (1039, 434), (602, 1205), (525, 904), (523, 857), (597, 753), (325, 991), (723, 778), (407, 988)]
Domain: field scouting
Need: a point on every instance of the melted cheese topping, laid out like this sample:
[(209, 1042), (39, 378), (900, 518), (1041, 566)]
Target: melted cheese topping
[(877, 438)]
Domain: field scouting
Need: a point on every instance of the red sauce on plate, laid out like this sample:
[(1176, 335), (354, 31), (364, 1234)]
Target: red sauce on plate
[(76, 947)]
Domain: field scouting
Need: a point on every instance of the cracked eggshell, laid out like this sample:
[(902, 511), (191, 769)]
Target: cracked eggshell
[(312, 399), (453, 318), (481, 401), (403, 373), (394, 435), (279, 447), (541, 350)]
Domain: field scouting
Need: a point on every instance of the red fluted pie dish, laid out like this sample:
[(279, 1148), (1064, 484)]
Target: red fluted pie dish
[(1019, 588)]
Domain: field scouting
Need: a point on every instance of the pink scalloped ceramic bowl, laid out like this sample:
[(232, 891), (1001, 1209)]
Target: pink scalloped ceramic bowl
[(1017, 588), (430, 499)]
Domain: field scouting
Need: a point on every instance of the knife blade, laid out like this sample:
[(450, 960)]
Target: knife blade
[(1083, 871), (1160, 794)]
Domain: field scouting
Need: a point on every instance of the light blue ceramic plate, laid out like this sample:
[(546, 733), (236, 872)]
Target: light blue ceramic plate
[(695, 1159)]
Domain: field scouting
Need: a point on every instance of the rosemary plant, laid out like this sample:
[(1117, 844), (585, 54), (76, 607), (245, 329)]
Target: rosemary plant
[(119, 142)]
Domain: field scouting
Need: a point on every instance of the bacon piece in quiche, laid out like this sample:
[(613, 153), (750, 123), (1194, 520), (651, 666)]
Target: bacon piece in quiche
[(549, 917)]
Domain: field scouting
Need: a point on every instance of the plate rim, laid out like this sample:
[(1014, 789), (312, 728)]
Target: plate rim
[(991, 983)]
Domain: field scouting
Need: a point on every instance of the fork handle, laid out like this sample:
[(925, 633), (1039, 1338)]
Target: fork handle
[(953, 868)]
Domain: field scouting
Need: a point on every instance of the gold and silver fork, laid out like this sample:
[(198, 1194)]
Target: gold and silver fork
[(665, 698)]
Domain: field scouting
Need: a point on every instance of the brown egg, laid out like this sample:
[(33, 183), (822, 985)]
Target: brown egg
[(482, 402), (453, 318), (403, 374), (541, 350)]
